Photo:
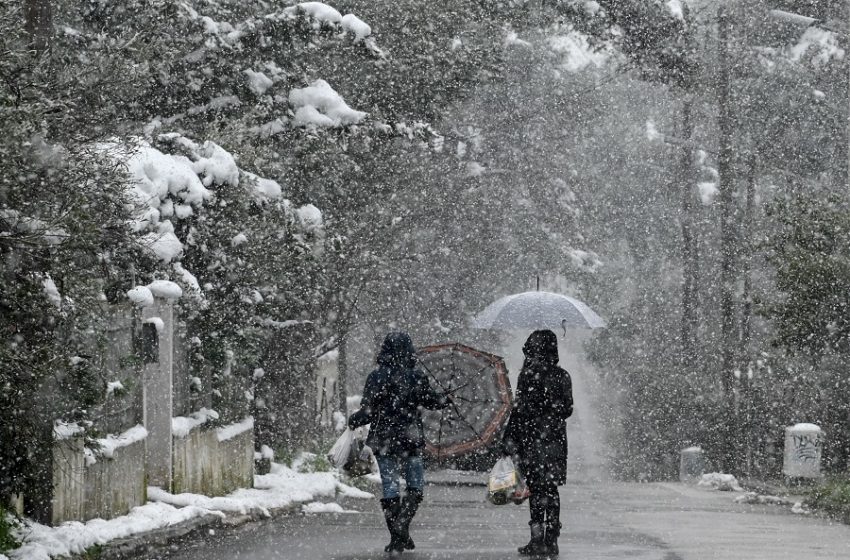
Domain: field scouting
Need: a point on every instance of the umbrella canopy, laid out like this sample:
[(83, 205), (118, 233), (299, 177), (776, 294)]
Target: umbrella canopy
[(478, 383), (537, 310)]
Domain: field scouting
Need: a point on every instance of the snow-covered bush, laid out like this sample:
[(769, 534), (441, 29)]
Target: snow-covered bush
[(65, 251)]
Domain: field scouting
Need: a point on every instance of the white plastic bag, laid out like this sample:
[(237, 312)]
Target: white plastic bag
[(341, 451), (503, 482), (350, 453), (360, 461)]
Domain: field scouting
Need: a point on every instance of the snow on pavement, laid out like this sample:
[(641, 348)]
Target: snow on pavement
[(322, 507), (41, 542), (282, 487)]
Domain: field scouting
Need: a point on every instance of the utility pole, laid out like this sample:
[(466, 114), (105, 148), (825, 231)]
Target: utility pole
[(727, 234)]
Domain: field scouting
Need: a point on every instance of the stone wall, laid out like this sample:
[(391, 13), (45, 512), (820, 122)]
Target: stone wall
[(106, 489), (207, 461)]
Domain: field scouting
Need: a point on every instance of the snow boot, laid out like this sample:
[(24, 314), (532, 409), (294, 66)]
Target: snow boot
[(535, 546), (409, 506), (550, 538), (392, 509)]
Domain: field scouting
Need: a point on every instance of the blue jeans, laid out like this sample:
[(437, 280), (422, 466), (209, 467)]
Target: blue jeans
[(390, 466)]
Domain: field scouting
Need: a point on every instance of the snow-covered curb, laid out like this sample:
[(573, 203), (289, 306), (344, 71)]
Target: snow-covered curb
[(282, 489), (755, 498), (41, 542), (720, 481)]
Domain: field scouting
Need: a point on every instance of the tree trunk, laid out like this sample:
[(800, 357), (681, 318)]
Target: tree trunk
[(342, 372), (727, 237), (746, 261), (746, 312), (690, 256), (38, 16)]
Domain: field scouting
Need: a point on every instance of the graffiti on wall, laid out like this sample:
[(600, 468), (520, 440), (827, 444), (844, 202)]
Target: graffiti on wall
[(807, 447)]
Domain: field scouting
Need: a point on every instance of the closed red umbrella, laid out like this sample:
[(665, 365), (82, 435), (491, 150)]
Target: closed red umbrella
[(479, 385)]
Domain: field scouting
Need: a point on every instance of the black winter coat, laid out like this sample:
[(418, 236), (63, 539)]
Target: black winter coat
[(393, 398), (537, 429)]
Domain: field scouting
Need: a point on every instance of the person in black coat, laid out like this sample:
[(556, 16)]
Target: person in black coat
[(394, 395), (537, 435)]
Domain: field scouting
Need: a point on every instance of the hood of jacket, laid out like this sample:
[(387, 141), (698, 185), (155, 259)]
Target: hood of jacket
[(542, 346), (397, 351)]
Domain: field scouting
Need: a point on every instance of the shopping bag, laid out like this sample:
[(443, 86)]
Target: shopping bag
[(521, 493), (503, 481), (360, 459), (341, 451)]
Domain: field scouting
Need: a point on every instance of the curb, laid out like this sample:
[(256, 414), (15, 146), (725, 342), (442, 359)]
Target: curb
[(140, 543), (771, 489)]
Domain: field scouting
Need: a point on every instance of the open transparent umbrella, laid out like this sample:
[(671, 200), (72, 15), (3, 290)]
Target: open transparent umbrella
[(537, 310), (480, 389)]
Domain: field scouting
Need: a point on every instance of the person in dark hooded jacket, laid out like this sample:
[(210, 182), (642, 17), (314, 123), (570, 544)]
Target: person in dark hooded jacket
[(393, 398), (537, 434)]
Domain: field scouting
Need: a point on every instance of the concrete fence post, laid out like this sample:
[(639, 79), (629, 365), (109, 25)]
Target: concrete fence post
[(158, 319), (803, 450), (691, 464)]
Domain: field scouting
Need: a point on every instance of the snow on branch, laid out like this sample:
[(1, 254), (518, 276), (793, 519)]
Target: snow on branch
[(320, 106), (318, 17), (172, 185)]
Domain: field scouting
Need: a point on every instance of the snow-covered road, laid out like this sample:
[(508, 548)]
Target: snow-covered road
[(601, 521)]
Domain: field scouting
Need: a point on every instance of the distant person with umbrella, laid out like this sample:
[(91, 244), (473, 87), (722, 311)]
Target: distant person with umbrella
[(537, 434), (392, 400)]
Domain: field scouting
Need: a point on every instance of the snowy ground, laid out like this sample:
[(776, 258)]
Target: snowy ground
[(283, 487)]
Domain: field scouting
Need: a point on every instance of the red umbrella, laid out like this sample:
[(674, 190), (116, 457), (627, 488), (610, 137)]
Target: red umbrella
[(481, 394)]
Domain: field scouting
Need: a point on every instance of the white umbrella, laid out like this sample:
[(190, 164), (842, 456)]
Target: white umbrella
[(537, 310)]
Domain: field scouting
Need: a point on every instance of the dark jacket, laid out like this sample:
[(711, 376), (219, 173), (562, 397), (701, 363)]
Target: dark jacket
[(537, 429), (393, 398)]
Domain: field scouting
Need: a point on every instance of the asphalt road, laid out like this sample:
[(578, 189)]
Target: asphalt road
[(601, 521)]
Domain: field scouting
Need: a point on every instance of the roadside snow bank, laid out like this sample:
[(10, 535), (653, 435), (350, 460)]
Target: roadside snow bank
[(755, 498), (282, 487), (721, 481), (41, 542)]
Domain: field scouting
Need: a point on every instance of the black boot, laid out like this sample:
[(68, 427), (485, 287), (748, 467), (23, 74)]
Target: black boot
[(392, 509), (409, 506), (550, 538), (535, 546), (552, 526)]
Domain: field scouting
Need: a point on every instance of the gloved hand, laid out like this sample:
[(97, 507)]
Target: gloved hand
[(359, 418)]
